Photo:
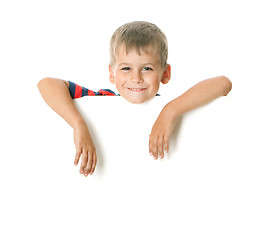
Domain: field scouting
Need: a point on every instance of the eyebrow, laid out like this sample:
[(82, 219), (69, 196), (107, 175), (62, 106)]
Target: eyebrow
[(123, 64), (142, 64)]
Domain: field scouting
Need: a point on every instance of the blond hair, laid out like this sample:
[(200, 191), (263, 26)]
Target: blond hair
[(139, 35)]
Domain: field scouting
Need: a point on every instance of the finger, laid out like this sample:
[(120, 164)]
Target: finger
[(152, 142), (166, 144), (94, 162), (77, 156), (150, 145), (84, 161), (154, 147), (160, 147), (89, 164)]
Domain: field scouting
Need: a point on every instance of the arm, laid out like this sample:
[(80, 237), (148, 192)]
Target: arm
[(56, 94), (198, 95)]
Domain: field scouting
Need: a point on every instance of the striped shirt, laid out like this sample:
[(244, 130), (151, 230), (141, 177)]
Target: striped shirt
[(77, 91)]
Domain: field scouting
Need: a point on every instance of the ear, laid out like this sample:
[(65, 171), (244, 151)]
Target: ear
[(166, 74), (111, 74)]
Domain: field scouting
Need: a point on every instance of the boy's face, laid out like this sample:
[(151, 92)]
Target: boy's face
[(137, 77)]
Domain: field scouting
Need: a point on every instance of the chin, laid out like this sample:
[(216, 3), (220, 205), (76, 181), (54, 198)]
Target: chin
[(136, 101)]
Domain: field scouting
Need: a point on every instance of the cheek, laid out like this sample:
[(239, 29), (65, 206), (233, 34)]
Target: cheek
[(121, 75), (154, 80), (120, 79)]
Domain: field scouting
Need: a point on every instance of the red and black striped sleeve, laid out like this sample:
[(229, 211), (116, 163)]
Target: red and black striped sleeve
[(77, 91)]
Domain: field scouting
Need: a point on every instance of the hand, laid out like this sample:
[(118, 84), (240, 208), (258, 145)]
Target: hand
[(161, 132), (85, 147)]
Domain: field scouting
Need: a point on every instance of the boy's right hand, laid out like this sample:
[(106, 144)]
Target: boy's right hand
[(86, 149)]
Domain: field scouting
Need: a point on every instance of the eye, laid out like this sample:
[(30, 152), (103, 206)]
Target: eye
[(147, 69), (125, 68)]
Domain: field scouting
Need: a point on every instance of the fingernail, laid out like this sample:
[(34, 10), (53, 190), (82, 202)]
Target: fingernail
[(81, 172), (86, 174), (150, 153), (161, 157), (75, 164), (154, 157)]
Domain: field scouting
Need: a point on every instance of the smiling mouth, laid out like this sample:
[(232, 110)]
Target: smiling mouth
[(137, 89)]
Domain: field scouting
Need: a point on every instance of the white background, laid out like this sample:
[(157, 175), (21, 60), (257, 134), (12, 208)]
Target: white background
[(219, 194)]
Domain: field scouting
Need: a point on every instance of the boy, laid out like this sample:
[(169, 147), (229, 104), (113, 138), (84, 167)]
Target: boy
[(138, 64)]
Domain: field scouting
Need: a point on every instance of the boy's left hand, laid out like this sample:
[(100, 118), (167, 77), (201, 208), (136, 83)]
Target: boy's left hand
[(161, 132)]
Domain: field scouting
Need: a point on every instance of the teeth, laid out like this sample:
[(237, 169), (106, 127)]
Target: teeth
[(136, 89)]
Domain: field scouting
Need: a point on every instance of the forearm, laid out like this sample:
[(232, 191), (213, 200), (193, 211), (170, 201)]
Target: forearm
[(200, 94), (56, 94)]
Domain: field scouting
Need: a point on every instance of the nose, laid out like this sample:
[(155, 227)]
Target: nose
[(137, 77)]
